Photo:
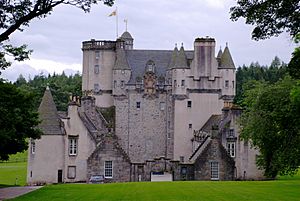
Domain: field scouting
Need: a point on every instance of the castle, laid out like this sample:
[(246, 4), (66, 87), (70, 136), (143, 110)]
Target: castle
[(173, 118)]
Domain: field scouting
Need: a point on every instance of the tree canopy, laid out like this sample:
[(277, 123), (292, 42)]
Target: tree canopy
[(270, 17), (14, 15), (18, 120), (271, 120)]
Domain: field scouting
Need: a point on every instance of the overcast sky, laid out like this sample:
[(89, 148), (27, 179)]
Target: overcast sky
[(56, 40)]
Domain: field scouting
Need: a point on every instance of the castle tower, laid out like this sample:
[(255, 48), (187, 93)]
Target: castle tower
[(127, 38), (121, 70), (98, 62), (227, 70)]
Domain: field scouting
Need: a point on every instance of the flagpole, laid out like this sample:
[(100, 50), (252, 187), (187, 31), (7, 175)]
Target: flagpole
[(117, 21)]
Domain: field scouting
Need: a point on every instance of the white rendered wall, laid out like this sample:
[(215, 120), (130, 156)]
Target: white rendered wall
[(85, 145), (47, 159), (203, 106)]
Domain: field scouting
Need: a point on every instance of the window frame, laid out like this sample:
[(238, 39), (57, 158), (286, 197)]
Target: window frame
[(69, 175), (108, 169), (214, 170), (33, 147), (189, 104), (96, 68), (231, 149), (73, 146)]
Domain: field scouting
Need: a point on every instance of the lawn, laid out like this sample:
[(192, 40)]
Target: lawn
[(10, 171), (14, 168), (279, 190)]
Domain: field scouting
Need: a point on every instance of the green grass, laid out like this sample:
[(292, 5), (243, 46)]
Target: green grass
[(10, 171), (279, 190)]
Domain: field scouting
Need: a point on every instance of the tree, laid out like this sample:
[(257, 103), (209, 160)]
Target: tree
[(294, 65), (14, 15), (271, 121), (18, 120), (270, 17)]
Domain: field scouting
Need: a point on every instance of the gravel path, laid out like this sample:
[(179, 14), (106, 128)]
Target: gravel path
[(12, 192)]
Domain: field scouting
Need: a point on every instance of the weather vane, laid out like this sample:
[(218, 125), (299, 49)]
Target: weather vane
[(126, 23)]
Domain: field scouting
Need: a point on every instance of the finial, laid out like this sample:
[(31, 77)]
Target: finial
[(181, 44), (226, 44), (126, 23), (220, 47), (175, 45)]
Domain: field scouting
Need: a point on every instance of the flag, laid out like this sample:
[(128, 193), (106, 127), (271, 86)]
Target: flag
[(114, 13)]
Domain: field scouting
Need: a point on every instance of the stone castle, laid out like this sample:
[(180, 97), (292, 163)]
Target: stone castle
[(171, 118)]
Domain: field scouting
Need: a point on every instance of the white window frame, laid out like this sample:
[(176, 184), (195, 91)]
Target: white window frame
[(162, 106), (71, 172), (108, 169), (73, 146), (97, 54), (214, 170), (231, 149)]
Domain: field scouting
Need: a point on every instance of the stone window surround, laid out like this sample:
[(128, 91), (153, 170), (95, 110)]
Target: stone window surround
[(231, 149), (70, 171)]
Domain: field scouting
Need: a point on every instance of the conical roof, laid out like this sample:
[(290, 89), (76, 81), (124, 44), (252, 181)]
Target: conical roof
[(226, 59), (126, 35), (50, 124), (121, 62), (173, 59), (219, 54), (181, 60)]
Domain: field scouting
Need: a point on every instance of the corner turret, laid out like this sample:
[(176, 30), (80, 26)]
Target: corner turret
[(226, 59), (127, 38)]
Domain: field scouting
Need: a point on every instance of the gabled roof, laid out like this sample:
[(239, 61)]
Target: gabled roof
[(226, 59), (121, 62), (51, 124), (214, 119)]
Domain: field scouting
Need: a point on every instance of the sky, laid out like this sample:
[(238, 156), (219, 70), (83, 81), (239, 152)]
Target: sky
[(56, 40)]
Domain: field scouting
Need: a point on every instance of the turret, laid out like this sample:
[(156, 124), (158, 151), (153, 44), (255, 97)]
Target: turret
[(127, 38), (121, 70)]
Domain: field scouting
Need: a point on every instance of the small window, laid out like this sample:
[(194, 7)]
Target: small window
[(226, 83), (33, 147), (122, 84), (181, 158), (175, 83), (108, 169), (231, 133), (232, 84), (214, 170), (162, 105), (231, 149), (189, 104), (169, 135), (73, 146), (138, 105), (97, 54), (115, 84), (169, 124), (182, 83), (71, 172), (96, 87), (190, 126), (96, 69)]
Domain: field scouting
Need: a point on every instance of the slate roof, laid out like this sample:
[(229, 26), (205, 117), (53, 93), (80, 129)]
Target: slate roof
[(121, 62), (226, 59), (137, 60), (126, 35), (50, 124), (220, 53), (214, 119), (181, 59)]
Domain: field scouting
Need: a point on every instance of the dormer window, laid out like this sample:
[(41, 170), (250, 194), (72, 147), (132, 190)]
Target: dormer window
[(150, 66)]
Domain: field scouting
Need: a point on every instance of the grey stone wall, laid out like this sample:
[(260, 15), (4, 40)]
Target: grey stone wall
[(214, 152), (143, 131), (110, 150)]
